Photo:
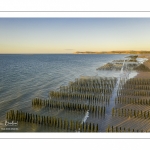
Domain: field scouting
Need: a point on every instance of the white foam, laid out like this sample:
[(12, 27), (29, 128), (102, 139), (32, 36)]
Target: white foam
[(85, 117), (132, 74), (141, 60)]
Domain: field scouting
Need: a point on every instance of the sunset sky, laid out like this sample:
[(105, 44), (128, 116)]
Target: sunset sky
[(68, 35)]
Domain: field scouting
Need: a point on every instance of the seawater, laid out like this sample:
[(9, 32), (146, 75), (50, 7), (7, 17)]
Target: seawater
[(24, 77)]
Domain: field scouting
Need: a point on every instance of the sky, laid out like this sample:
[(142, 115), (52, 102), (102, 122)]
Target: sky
[(68, 35)]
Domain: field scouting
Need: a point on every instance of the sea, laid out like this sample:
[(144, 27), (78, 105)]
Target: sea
[(24, 77)]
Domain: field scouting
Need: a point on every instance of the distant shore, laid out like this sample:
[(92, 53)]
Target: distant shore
[(114, 52)]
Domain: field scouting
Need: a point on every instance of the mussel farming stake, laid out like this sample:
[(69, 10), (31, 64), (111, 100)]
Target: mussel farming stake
[(51, 121)]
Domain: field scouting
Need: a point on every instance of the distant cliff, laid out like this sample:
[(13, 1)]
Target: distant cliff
[(114, 52)]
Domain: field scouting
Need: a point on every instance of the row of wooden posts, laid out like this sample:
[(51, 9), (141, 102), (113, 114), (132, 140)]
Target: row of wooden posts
[(60, 95), (121, 83), (134, 100), (108, 86), (95, 79), (103, 101), (122, 129), (90, 83), (138, 81), (68, 105), (95, 101), (116, 68), (137, 87), (133, 93), (135, 83), (130, 113), (106, 90), (52, 121), (93, 85)]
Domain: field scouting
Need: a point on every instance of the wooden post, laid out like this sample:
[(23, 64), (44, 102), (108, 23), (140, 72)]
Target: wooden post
[(97, 128), (124, 130), (81, 127), (112, 129), (116, 129)]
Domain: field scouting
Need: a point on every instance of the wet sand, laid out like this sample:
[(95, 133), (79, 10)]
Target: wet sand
[(147, 64)]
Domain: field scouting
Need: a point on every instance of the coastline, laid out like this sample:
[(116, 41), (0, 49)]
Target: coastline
[(114, 52), (110, 102)]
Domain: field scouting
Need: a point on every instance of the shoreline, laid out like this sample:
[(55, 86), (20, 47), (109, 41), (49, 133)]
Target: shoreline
[(105, 94)]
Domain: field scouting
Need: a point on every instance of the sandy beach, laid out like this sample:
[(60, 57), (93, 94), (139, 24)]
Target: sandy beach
[(147, 64)]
